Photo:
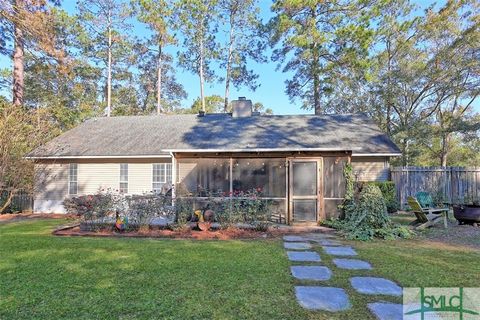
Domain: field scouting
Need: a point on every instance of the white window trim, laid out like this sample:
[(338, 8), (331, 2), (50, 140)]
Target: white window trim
[(70, 180), (125, 181), (163, 166)]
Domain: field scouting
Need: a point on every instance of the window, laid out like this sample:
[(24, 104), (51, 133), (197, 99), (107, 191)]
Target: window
[(123, 178), (161, 174), (73, 179)]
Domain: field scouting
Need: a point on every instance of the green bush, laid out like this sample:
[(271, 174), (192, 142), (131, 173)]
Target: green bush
[(389, 194), (366, 217)]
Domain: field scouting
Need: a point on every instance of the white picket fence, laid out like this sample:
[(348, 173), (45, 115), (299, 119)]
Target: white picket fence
[(453, 183)]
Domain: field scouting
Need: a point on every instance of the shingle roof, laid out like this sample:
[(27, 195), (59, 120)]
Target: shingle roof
[(157, 135)]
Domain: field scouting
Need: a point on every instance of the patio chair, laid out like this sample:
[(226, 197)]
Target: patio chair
[(425, 199), (427, 217)]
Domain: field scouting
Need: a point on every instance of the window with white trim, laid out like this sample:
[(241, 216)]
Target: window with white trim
[(161, 174), (123, 188), (73, 179)]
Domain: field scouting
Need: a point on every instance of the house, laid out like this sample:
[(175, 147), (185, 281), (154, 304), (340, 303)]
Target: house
[(296, 161)]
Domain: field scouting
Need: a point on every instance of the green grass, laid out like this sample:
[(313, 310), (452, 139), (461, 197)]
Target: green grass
[(48, 277)]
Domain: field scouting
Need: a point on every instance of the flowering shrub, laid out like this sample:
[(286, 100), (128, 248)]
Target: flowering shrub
[(230, 208), (99, 210), (142, 208)]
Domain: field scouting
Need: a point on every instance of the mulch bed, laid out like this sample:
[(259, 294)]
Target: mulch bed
[(226, 234), (223, 234)]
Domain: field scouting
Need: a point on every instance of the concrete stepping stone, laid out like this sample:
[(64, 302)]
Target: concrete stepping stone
[(295, 238), (322, 298), (319, 236), (386, 311), (373, 285), (303, 256), (340, 251), (328, 242), (319, 273), (352, 264), (297, 245)]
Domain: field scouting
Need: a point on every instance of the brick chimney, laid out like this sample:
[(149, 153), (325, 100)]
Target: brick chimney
[(242, 108)]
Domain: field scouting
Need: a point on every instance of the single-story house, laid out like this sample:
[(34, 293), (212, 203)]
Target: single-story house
[(296, 161)]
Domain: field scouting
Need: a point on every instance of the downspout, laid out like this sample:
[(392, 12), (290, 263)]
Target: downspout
[(174, 177)]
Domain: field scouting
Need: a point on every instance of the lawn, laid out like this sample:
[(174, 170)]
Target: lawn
[(43, 276)]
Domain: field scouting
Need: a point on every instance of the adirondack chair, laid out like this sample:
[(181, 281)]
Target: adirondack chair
[(426, 201), (426, 217)]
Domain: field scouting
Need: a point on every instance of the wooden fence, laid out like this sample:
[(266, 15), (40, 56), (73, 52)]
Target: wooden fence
[(451, 183), (22, 201)]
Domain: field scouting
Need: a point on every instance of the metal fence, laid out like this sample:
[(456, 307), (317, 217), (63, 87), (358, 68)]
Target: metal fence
[(22, 201), (451, 183)]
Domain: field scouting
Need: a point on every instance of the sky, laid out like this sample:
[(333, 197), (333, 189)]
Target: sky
[(272, 81)]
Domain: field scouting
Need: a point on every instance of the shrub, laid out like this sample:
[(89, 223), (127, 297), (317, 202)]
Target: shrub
[(366, 217), (389, 194), (242, 207), (142, 208)]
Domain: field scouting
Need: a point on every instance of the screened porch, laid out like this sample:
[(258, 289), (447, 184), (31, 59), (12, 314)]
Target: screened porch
[(298, 189)]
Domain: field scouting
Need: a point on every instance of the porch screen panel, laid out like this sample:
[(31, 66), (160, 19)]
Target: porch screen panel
[(267, 176), (203, 177), (333, 184)]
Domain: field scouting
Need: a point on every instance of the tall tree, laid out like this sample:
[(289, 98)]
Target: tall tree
[(157, 15), (196, 19), (28, 25), (244, 42), (106, 40), (172, 92), (313, 39)]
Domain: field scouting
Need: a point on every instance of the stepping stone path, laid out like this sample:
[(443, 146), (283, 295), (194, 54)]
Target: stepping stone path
[(319, 273), (295, 238), (322, 298), (297, 245), (332, 299), (386, 310), (328, 242), (352, 264), (372, 285), (340, 251), (307, 256)]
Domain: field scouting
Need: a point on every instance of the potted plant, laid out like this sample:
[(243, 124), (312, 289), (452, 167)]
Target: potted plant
[(467, 211)]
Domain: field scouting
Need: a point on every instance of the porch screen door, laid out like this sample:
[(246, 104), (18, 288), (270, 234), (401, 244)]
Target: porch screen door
[(304, 190)]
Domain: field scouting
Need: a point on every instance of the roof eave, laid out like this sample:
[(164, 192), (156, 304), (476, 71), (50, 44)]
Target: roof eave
[(166, 155)]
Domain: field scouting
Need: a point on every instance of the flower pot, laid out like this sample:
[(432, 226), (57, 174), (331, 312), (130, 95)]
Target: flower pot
[(204, 226)]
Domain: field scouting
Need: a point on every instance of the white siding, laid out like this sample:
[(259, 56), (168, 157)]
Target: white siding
[(51, 182), (370, 168), (51, 187)]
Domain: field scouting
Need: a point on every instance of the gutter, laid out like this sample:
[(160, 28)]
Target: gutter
[(96, 157), (376, 154)]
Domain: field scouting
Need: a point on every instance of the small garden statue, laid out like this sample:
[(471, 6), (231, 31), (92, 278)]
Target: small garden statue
[(120, 223)]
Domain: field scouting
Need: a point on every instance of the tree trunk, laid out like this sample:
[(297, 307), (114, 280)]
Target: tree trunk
[(109, 73), (229, 63), (316, 81), (444, 152), (202, 97), (7, 202), (18, 68), (159, 79)]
